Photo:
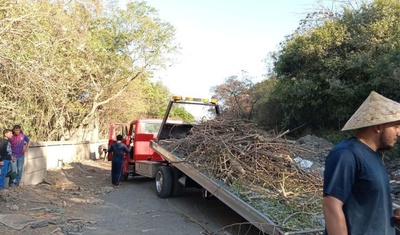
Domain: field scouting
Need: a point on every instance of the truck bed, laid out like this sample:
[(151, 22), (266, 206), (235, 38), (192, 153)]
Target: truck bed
[(224, 194)]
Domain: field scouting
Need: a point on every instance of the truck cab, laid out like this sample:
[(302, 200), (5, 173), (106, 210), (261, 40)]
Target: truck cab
[(144, 160), (139, 132)]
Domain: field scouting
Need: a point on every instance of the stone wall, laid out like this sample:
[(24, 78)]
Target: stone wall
[(42, 156)]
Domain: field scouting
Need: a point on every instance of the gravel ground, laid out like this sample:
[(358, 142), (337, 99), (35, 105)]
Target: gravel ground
[(66, 201), (54, 206)]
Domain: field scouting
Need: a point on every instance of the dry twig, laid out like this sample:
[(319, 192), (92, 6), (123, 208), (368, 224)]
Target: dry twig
[(248, 159)]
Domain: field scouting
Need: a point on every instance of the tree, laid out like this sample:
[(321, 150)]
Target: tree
[(141, 99), (261, 93), (67, 60), (326, 71), (234, 96)]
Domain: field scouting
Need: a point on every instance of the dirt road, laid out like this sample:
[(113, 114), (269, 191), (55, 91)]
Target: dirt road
[(78, 199)]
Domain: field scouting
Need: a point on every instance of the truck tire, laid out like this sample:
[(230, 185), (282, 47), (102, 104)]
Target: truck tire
[(163, 182), (177, 188)]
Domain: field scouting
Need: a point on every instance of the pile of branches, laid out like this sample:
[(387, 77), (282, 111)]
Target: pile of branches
[(257, 166)]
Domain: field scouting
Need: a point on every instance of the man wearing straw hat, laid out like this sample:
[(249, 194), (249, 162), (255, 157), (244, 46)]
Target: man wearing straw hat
[(357, 196)]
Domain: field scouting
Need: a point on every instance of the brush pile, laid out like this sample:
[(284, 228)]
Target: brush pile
[(259, 167)]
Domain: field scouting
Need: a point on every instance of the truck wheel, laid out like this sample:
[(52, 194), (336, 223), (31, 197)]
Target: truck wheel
[(163, 182), (177, 188)]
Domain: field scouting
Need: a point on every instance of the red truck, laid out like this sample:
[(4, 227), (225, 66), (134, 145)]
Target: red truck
[(143, 160), (140, 132), (151, 158)]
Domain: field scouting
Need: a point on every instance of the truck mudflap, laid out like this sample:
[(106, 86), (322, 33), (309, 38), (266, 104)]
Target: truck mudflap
[(222, 192)]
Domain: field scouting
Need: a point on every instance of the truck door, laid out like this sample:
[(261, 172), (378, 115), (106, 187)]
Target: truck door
[(117, 129)]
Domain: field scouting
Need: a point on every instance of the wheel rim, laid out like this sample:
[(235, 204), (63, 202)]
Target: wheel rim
[(159, 181)]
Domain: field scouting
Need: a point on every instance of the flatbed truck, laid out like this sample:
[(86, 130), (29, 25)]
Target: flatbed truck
[(172, 174)]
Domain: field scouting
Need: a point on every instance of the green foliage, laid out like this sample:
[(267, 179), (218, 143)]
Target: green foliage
[(156, 101), (181, 113), (235, 96), (393, 153), (141, 99), (62, 62), (326, 72), (334, 136)]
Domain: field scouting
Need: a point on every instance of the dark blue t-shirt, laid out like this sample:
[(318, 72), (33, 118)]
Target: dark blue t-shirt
[(118, 149), (355, 174)]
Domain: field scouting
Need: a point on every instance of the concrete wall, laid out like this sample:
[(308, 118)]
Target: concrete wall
[(42, 156)]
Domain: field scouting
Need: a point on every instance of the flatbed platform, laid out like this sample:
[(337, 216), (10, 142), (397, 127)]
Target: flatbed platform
[(224, 194)]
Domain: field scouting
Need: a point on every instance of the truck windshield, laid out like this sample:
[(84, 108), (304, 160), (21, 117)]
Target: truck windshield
[(151, 128)]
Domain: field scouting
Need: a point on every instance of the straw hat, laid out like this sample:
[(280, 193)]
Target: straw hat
[(375, 110)]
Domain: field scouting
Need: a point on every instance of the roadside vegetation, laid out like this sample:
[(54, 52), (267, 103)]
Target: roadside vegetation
[(323, 71), (69, 68)]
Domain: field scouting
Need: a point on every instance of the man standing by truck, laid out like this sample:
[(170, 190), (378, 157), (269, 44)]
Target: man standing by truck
[(118, 149), (357, 196)]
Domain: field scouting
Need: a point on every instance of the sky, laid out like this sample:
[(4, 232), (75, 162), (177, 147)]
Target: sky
[(220, 38)]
